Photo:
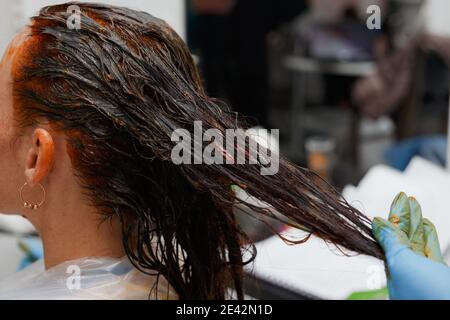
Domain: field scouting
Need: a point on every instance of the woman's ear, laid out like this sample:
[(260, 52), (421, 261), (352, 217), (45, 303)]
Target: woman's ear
[(40, 157)]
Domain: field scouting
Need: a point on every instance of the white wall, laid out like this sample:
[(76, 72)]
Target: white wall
[(14, 14), (10, 21)]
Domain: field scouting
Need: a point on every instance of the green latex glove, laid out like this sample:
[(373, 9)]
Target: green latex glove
[(411, 229), (415, 266)]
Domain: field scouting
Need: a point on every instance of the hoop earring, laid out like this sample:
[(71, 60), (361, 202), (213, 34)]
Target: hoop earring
[(28, 205)]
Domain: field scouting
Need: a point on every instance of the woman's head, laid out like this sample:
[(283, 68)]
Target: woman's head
[(94, 109)]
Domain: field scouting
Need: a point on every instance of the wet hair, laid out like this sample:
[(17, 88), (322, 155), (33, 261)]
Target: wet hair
[(119, 87)]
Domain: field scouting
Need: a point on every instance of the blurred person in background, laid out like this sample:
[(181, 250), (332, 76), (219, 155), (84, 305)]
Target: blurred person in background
[(384, 93)]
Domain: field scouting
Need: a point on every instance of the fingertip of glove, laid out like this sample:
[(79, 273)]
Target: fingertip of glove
[(401, 197)]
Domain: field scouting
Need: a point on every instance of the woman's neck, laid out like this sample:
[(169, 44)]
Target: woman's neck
[(82, 232)]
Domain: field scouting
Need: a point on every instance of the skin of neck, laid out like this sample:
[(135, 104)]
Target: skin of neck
[(82, 233)]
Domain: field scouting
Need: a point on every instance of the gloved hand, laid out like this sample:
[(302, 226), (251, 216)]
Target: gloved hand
[(416, 269)]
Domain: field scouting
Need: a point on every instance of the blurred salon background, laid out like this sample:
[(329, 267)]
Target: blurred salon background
[(342, 94), (351, 84)]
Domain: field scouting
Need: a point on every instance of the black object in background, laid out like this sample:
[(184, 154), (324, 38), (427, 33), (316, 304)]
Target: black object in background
[(233, 52)]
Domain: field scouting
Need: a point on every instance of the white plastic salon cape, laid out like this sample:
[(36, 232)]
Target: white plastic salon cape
[(87, 278)]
